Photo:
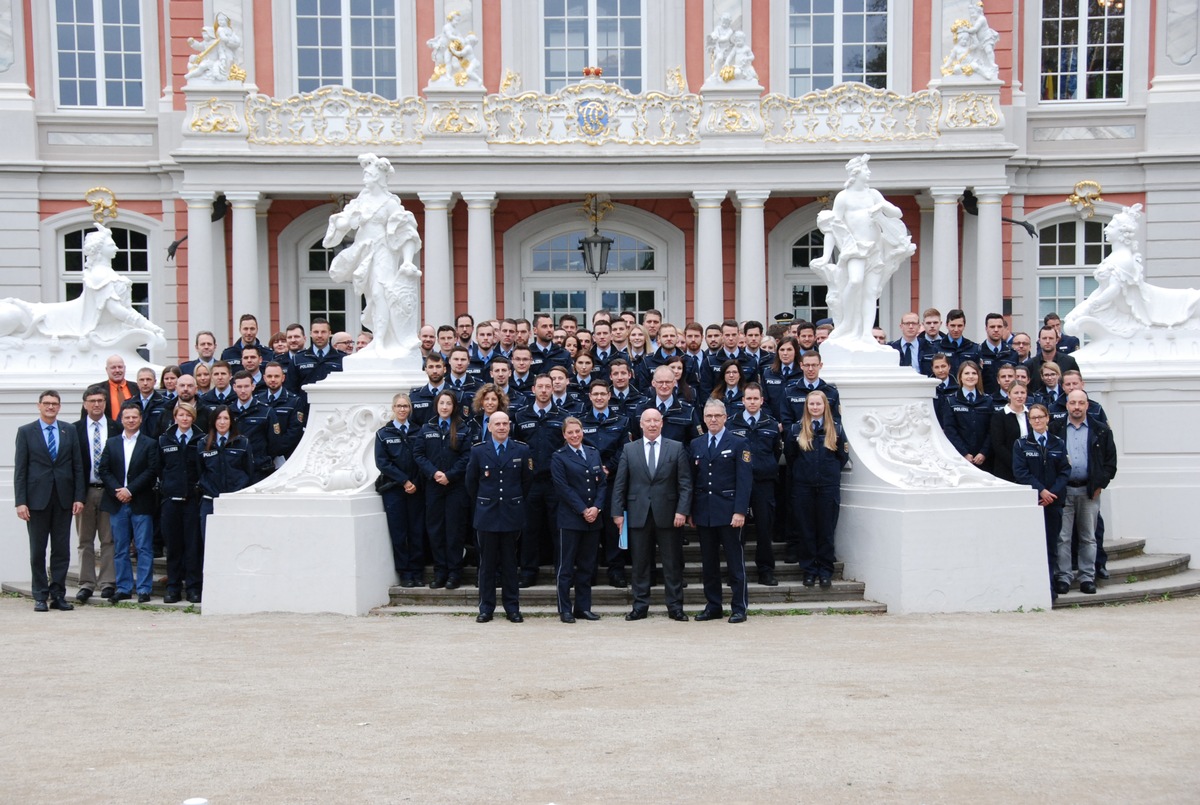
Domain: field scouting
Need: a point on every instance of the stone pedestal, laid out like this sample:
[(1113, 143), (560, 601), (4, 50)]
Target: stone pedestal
[(216, 113), (454, 118), (1150, 393), (922, 528), (971, 112), (732, 109), (313, 536)]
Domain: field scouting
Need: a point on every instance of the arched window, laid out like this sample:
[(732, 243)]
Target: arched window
[(321, 297), (132, 260), (1067, 253), (560, 253), (807, 292)]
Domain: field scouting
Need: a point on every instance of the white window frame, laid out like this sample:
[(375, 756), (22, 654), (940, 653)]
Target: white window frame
[(286, 56), (899, 57), (294, 280), (1081, 47), (593, 46)]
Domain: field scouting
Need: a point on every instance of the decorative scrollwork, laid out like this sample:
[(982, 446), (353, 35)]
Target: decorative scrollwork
[(851, 113), (453, 118), (334, 116), (215, 116), (103, 202), (592, 113), (1086, 192), (972, 110)]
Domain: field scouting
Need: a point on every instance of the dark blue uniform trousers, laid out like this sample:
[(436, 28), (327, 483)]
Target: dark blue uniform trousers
[(406, 526), (714, 539), (498, 549), (815, 510), (576, 566)]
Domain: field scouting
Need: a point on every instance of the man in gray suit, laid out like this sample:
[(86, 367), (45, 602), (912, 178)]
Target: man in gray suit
[(653, 490)]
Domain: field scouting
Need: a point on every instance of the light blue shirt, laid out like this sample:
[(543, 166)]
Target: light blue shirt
[(1077, 439)]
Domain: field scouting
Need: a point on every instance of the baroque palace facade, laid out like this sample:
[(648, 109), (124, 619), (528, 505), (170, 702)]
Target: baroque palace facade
[(714, 180)]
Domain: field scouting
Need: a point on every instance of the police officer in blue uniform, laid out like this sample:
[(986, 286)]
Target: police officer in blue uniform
[(539, 426), (399, 486), (285, 415), (423, 396), (1040, 461), (251, 418), (442, 451), (761, 432), (578, 472), (315, 363), (791, 410), (722, 479), (680, 422), (607, 429), (178, 486), (499, 475)]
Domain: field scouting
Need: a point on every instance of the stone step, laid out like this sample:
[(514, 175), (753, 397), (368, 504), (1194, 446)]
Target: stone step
[(1124, 548), (25, 590), (1144, 566), (815, 607), (1177, 585)]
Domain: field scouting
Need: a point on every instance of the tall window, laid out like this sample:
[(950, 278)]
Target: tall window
[(132, 261), (561, 253), (348, 43), (593, 33), (808, 298), (834, 41), (324, 298), (99, 53), (1067, 254), (1083, 50)]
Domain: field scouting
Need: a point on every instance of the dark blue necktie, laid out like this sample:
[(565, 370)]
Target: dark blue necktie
[(52, 441)]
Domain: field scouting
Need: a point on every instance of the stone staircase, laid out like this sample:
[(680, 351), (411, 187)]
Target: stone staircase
[(24, 589), (1135, 576)]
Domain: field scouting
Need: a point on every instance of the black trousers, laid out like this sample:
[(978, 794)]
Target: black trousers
[(615, 557), (576, 564), (541, 526), (642, 542), (181, 536), (762, 503), (406, 527), (498, 549), (447, 518), (815, 511), (714, 540), (50, 526)]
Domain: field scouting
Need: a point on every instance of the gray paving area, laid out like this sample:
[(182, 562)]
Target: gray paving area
[(126, 705)]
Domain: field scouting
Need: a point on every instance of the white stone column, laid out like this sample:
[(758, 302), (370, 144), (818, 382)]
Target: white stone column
[(438, 259), (220, 270), (264, 271), (751, 291), (708, 284), (924, 255), (989, 255), (944, 279), (201, 281), (246, 298), (481, 255)]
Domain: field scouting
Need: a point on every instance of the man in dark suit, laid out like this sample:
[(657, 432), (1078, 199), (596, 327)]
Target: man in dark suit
[(206, 350), (499, 475), (652, 494), (48, 490), (93, 432), (129, 469), (722, 479), (578, 473)]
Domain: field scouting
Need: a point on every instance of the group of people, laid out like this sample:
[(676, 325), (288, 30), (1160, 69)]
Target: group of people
[(582, 445)]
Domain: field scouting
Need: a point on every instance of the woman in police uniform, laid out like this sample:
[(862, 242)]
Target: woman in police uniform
[(816, 451), (397, 485), (441, 451)]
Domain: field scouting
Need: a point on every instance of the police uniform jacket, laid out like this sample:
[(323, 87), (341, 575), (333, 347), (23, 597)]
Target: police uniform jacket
[(225, 469), (968, 425), (608, 435), (213, 398), (722, 479), (630, 405), (655, 359), (711, 374), (990, 362), (542, 435), (285, 422), (733, 405), (765, 441), (680, 422), (774, 387), (179, 465), (964, 350), (422, 398), (166, 419), (394, 453), (1102, 452), (233, 354), (140, 478), (524, 385), (1058, 412), (252, 425), (819, 466), (152, 408), (795, 395), (1040, 468), (545, 360), (941, 397), (581, 484), (499, 485), (434, 453), (308, 367)]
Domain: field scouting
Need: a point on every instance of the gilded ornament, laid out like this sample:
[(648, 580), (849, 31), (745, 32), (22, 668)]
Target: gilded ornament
[(334, 116), (103, 202), (215, 116), (851, 112), (1086, 193), (972, 110)]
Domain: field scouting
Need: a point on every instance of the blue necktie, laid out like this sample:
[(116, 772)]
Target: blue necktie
[(52, 441), (500, 449)]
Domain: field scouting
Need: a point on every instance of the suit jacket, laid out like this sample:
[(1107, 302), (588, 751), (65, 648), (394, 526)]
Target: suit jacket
[(1005, 432), (130, 387), (667, 493), (143, 472), (39, 481), (107, 430), (581, 484)]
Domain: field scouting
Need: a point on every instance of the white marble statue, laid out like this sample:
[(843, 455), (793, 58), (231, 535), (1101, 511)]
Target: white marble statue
[(718, 44), (740, 62), (215, 58), (871, 243), (974, 50), (381, 261), (100, 320), (455, 62), (1124, 305)]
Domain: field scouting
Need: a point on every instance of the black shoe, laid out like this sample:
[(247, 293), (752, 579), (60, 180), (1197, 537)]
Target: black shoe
[(586, 614), (108, 592), (409, 583), (453, 583), (1102, 573), (515, 617), (1062, 587), (61, 603), (481, 618), (826, 583), (737, 617), (527, 582), (83, 595), (172, 598), (767, 578), (636, 615), (709, 615), (1087, 587), (677, 615), (40, 606), (437, 584), (809, 580), (117, 598), (565, 617), (143, 598), (791, 555), (616, 578), (193, 598)]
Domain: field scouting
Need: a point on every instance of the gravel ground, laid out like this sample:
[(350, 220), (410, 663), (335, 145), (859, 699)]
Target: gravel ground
[(136, 706)]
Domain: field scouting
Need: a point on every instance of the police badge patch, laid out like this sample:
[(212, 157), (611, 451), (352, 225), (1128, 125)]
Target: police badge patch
[(300, 417), (746, 456), (277, 429), (531, 465)]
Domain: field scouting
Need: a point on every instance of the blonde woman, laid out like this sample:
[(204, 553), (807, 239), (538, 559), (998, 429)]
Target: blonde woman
[(816, 451)]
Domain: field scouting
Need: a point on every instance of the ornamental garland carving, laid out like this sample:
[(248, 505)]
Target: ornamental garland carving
[(451, 117), (336, 456), (851, 113), (902, 440), (972, 110), (334, 116), (215, 116)]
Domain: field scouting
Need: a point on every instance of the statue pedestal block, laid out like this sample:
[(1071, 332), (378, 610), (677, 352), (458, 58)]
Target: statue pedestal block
[(313, 536), (454, 118), (732, 110), (922, 528), (971, 111), (216, 115), (1151, 405)]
